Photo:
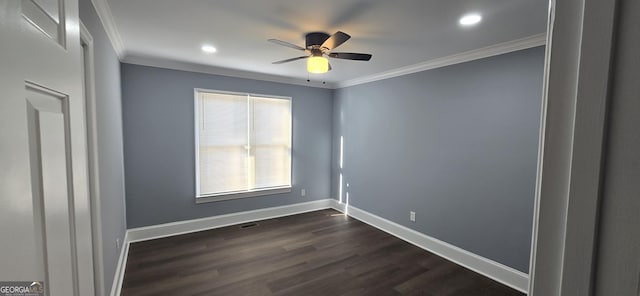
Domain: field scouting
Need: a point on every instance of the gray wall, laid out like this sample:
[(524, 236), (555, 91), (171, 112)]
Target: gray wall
[(160, 153), (457, 145), (110, 155)]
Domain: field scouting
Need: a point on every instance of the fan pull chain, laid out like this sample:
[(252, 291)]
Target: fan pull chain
[(309, 78)]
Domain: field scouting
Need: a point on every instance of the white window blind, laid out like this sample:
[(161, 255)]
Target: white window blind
[(243, 143)]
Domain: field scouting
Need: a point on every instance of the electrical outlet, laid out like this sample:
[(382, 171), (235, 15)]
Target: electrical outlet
[(118, 244), (303, 192), (412, 216)]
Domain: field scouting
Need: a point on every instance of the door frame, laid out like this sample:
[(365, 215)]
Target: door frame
[(572, 136), (87, 47)]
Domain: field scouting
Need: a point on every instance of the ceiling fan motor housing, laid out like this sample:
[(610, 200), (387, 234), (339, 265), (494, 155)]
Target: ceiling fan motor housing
[(319, 47), (315, 39)]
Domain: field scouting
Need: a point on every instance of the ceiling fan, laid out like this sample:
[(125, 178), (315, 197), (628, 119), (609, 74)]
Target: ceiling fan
[(319, 46)]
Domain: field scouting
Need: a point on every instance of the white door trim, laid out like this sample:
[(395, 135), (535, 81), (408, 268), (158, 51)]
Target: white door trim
[(571, 146), (86, 41), (116, 286)]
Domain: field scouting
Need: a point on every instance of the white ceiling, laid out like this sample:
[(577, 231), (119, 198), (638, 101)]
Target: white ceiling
[(398, 33)]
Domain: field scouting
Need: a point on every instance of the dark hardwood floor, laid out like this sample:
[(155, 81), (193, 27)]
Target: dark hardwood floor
[(317, 253)]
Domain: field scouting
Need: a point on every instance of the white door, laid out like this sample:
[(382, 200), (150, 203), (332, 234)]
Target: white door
[(45, 223)]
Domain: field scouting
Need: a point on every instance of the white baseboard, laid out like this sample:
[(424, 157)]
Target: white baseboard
[(489, 268), (116, 286), (182, 227)]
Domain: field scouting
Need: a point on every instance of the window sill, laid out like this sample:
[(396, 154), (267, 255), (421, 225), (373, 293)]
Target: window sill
[(243, 194)]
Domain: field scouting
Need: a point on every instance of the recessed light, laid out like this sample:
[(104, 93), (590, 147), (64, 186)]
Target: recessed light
[(470, 19), (208, 49)]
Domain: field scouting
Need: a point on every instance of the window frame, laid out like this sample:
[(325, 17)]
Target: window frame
[(205, 198)]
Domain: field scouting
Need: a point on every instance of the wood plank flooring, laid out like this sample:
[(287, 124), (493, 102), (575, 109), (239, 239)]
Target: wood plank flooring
[(316, 253)]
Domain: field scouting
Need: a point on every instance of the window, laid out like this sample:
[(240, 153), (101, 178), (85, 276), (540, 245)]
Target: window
[(243, 145)]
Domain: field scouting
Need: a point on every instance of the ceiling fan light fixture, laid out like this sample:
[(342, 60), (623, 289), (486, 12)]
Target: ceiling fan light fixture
[(317, 65), (320, 46)]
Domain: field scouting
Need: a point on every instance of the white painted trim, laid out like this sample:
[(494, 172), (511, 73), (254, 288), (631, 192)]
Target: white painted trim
[(118, 277), (238, 195), (489, 268), (476, 54), (106, 17), (207, 69), (541, 144), (182, 227), (86, 42), (493, 50), (572, 137), (587, 157)]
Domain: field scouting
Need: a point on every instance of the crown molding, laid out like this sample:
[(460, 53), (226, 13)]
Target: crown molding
[(106, 17), (104, 13), (206, 69), (485, 52)]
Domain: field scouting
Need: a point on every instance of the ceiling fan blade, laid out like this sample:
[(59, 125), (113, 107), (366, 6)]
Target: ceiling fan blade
[(290, 60), (350, 56), (335, 40), (287, 44)]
